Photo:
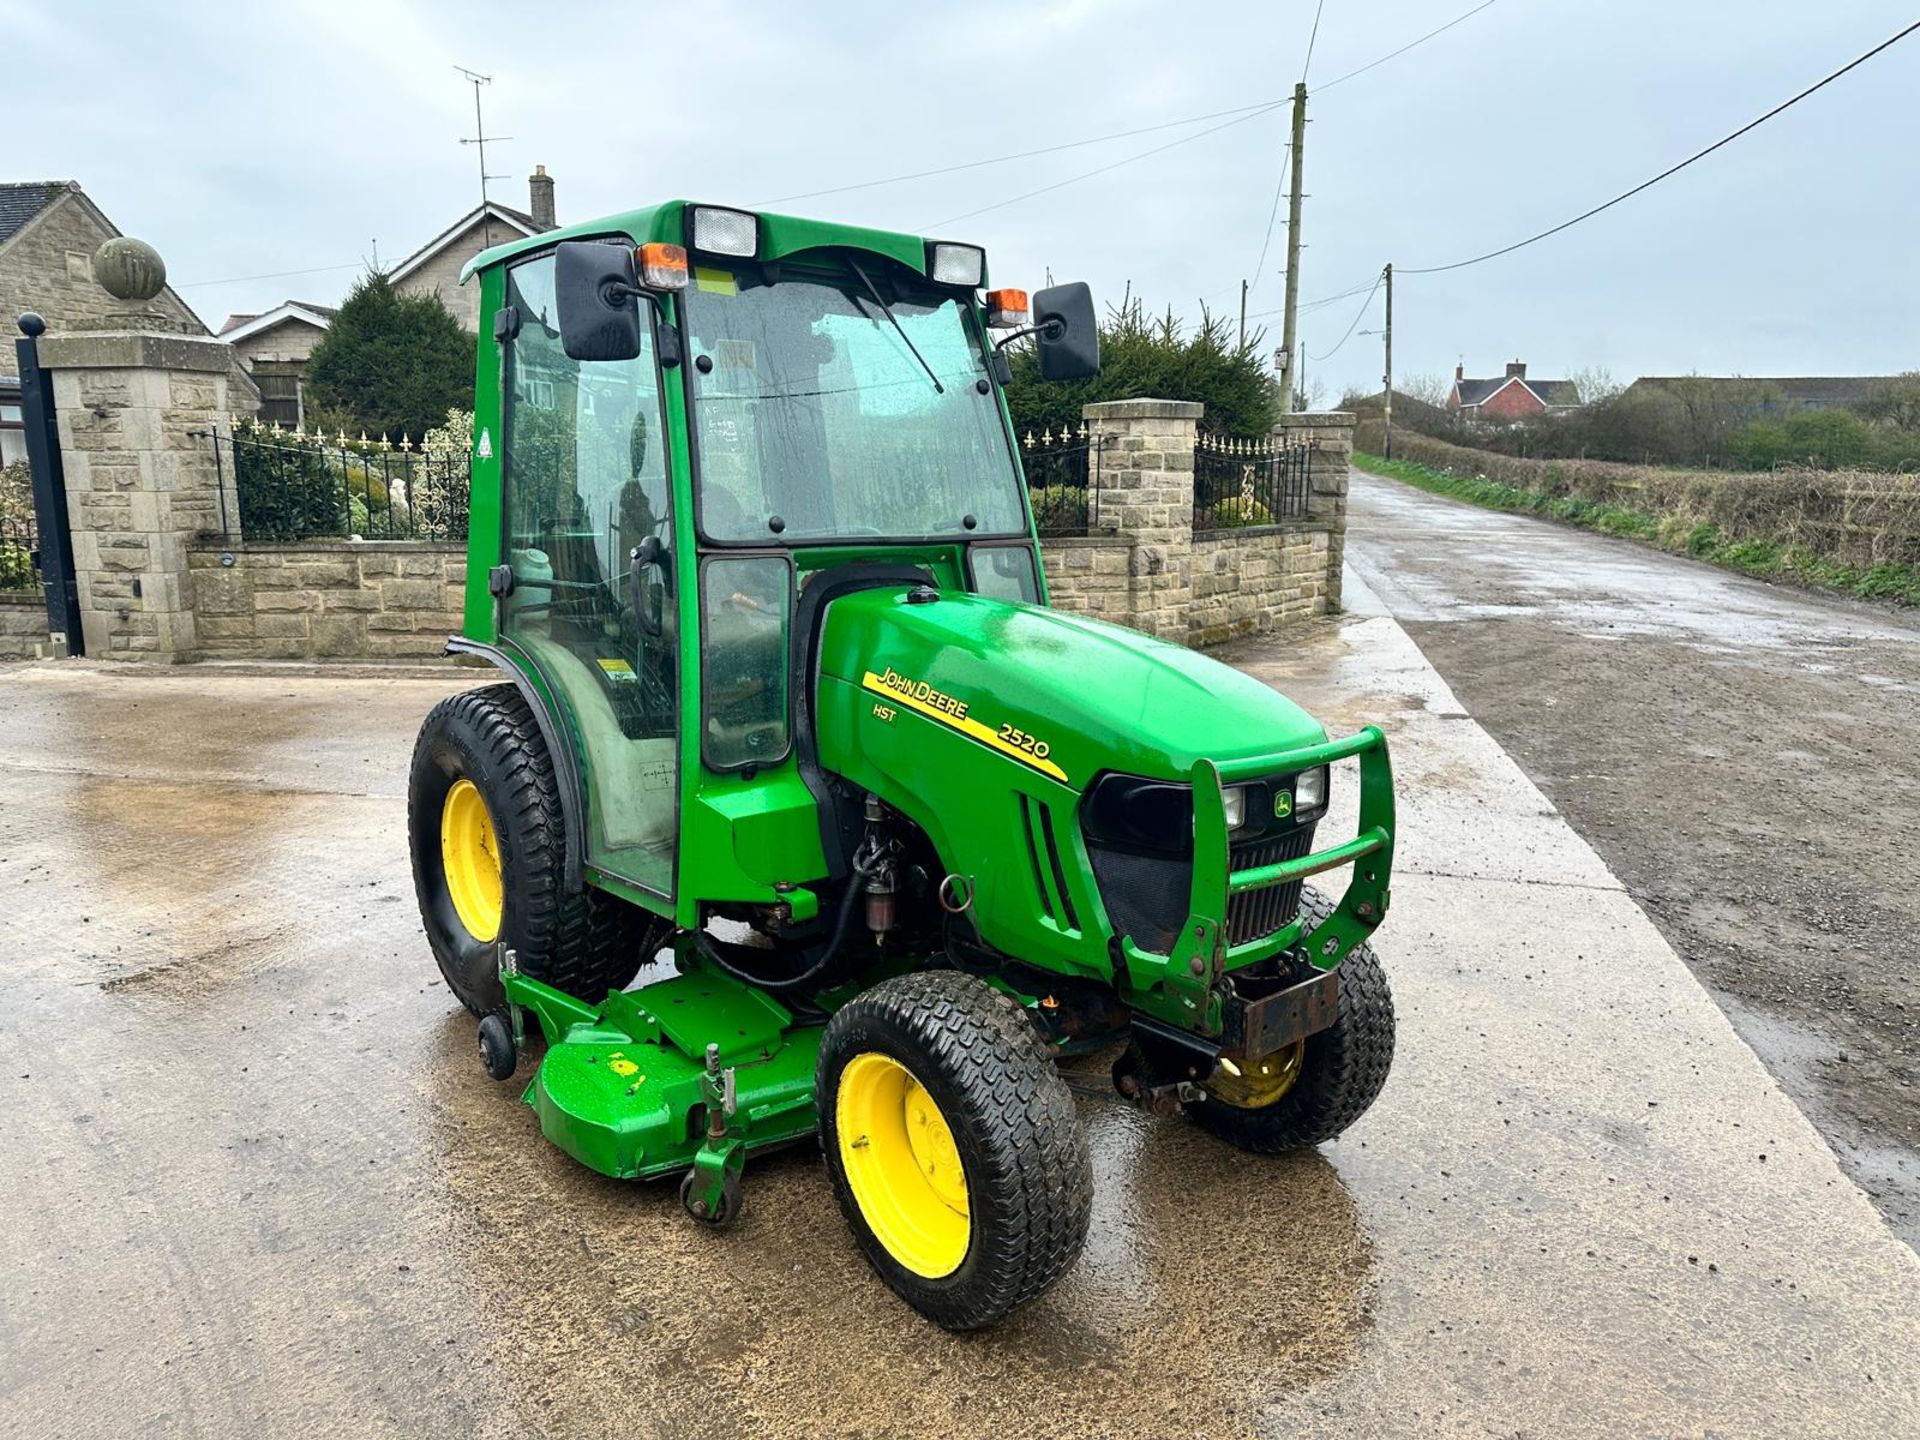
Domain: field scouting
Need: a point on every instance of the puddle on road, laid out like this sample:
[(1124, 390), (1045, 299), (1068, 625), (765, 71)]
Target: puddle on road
[(1212, 1282)]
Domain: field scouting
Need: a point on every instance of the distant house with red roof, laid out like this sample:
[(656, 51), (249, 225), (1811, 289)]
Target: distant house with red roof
[(1503, 399)]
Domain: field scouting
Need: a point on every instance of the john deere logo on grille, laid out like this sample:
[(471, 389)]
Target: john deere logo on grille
[(1282, 804)]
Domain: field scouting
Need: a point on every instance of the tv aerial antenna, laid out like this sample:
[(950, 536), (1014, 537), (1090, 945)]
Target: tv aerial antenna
[(479, 139)]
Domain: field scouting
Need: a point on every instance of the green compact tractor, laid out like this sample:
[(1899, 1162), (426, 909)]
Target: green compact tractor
[(784, 704)]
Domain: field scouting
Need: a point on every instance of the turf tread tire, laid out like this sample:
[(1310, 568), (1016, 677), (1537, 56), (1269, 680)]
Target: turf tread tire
[(585, 943), (1342, 1073), (1029, 1177)]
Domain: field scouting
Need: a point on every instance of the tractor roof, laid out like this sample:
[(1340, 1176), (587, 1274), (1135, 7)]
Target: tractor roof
[(780, 235)]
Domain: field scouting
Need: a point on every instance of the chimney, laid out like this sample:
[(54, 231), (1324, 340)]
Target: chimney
[(1515, 371), (540, 198), (1459, 372)]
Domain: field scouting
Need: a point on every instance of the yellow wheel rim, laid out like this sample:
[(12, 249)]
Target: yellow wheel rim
[(1254, 1085), (900, 1160), (470, 854)]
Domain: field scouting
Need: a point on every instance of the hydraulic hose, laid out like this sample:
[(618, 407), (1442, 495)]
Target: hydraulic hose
[(864, 861)]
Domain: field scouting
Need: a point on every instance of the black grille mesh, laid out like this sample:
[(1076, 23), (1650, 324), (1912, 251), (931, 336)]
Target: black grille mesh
[(1259, 913), (1146, 895)]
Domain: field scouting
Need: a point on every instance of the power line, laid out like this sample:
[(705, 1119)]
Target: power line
[(1356, 321), (1672, 169), (276, 275), (1022, 154), (1311, 37), (1286, 159), (1279, 189), (1306, 305), (1088, 175), (1395, 54), (1252, 111)]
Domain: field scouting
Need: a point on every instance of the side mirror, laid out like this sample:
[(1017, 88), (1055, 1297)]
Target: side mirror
[(1067, 338), (594, 286)]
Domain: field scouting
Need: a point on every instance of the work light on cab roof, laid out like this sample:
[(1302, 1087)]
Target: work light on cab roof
[(784, 696)]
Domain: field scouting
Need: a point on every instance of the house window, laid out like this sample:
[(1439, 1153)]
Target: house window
[(13, 431)]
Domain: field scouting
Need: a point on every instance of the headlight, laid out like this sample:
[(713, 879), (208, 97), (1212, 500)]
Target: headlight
[(725, 232), (1310, 789), (958, 265), (1235, 801)]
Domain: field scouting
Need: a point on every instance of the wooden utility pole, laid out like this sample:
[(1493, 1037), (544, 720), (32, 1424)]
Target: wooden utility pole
[(1293, 245), (1243, 314), (1388, 408)]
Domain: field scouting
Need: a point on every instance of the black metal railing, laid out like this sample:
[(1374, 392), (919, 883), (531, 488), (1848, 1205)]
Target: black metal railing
[(19, 553), (294, 487), (1063, 480), (1238, 483)]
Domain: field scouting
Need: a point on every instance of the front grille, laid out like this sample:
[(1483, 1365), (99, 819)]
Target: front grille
[(1260, 913), (1146, 895)]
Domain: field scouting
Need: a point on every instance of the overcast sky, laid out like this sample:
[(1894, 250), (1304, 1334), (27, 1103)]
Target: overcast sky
[(245, 139)]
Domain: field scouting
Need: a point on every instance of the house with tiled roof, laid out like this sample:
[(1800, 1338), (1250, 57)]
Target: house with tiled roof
[(434, 269), (276, 344), (1503, 399), (49, 230)]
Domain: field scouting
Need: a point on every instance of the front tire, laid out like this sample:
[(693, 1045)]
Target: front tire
[(488, 841), (954, 1146), (1338, 1074)]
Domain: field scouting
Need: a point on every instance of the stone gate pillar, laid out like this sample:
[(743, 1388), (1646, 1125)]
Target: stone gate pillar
[(1145, 494), (1330, 433), (135, 398)]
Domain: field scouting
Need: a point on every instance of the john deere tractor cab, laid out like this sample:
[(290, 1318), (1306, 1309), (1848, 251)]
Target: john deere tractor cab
[(786, 719)]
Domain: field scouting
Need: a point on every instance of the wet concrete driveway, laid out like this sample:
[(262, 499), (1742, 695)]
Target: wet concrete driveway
[(255, 1182)]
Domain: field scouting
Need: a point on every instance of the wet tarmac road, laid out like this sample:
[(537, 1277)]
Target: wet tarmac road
[(1742, 755), (256, 1182)]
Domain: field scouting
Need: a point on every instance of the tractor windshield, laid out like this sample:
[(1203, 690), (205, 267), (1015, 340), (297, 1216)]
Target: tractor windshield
[(816, 420)]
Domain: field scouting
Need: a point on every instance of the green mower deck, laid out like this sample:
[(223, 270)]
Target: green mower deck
[(628, 1089)]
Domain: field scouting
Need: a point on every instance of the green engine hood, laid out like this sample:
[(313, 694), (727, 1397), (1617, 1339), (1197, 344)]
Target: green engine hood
[(1066, 696)]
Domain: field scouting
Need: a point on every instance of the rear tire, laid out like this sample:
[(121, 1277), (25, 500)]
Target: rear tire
[(585, 943), (1341, 1073), (982, 1109)]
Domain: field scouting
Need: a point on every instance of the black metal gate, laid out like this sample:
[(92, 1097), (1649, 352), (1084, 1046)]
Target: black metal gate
[(53, 552), (1239, 483), (1063, 480)]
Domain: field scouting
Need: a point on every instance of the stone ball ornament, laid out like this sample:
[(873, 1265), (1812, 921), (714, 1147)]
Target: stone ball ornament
[(129, 269)]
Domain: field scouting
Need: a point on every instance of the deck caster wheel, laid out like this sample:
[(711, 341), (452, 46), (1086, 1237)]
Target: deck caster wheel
[(718, 1216), (497, 1050)]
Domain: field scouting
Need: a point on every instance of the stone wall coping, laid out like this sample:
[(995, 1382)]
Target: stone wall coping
[(1143, 410), (1081, 542), (131, 350), (1255, 532), (332, 547), (23, 598), (1298, 419)]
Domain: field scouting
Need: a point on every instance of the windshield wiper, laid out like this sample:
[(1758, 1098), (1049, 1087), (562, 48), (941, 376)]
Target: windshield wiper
[(887, 310)]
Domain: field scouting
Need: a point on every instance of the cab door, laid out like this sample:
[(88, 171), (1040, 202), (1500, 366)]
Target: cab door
[(585, 483)]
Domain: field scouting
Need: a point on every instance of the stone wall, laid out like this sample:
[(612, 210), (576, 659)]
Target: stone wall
[(1091, 575), (1148, 570), (23, 624), (327, 600), (48, 268), (1248, 582)]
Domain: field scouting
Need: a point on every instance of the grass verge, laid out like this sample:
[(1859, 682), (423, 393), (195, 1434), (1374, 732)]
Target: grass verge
[(1769, 559)]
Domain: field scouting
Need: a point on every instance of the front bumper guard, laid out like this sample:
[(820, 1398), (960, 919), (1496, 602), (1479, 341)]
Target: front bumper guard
[(1195, 993)]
